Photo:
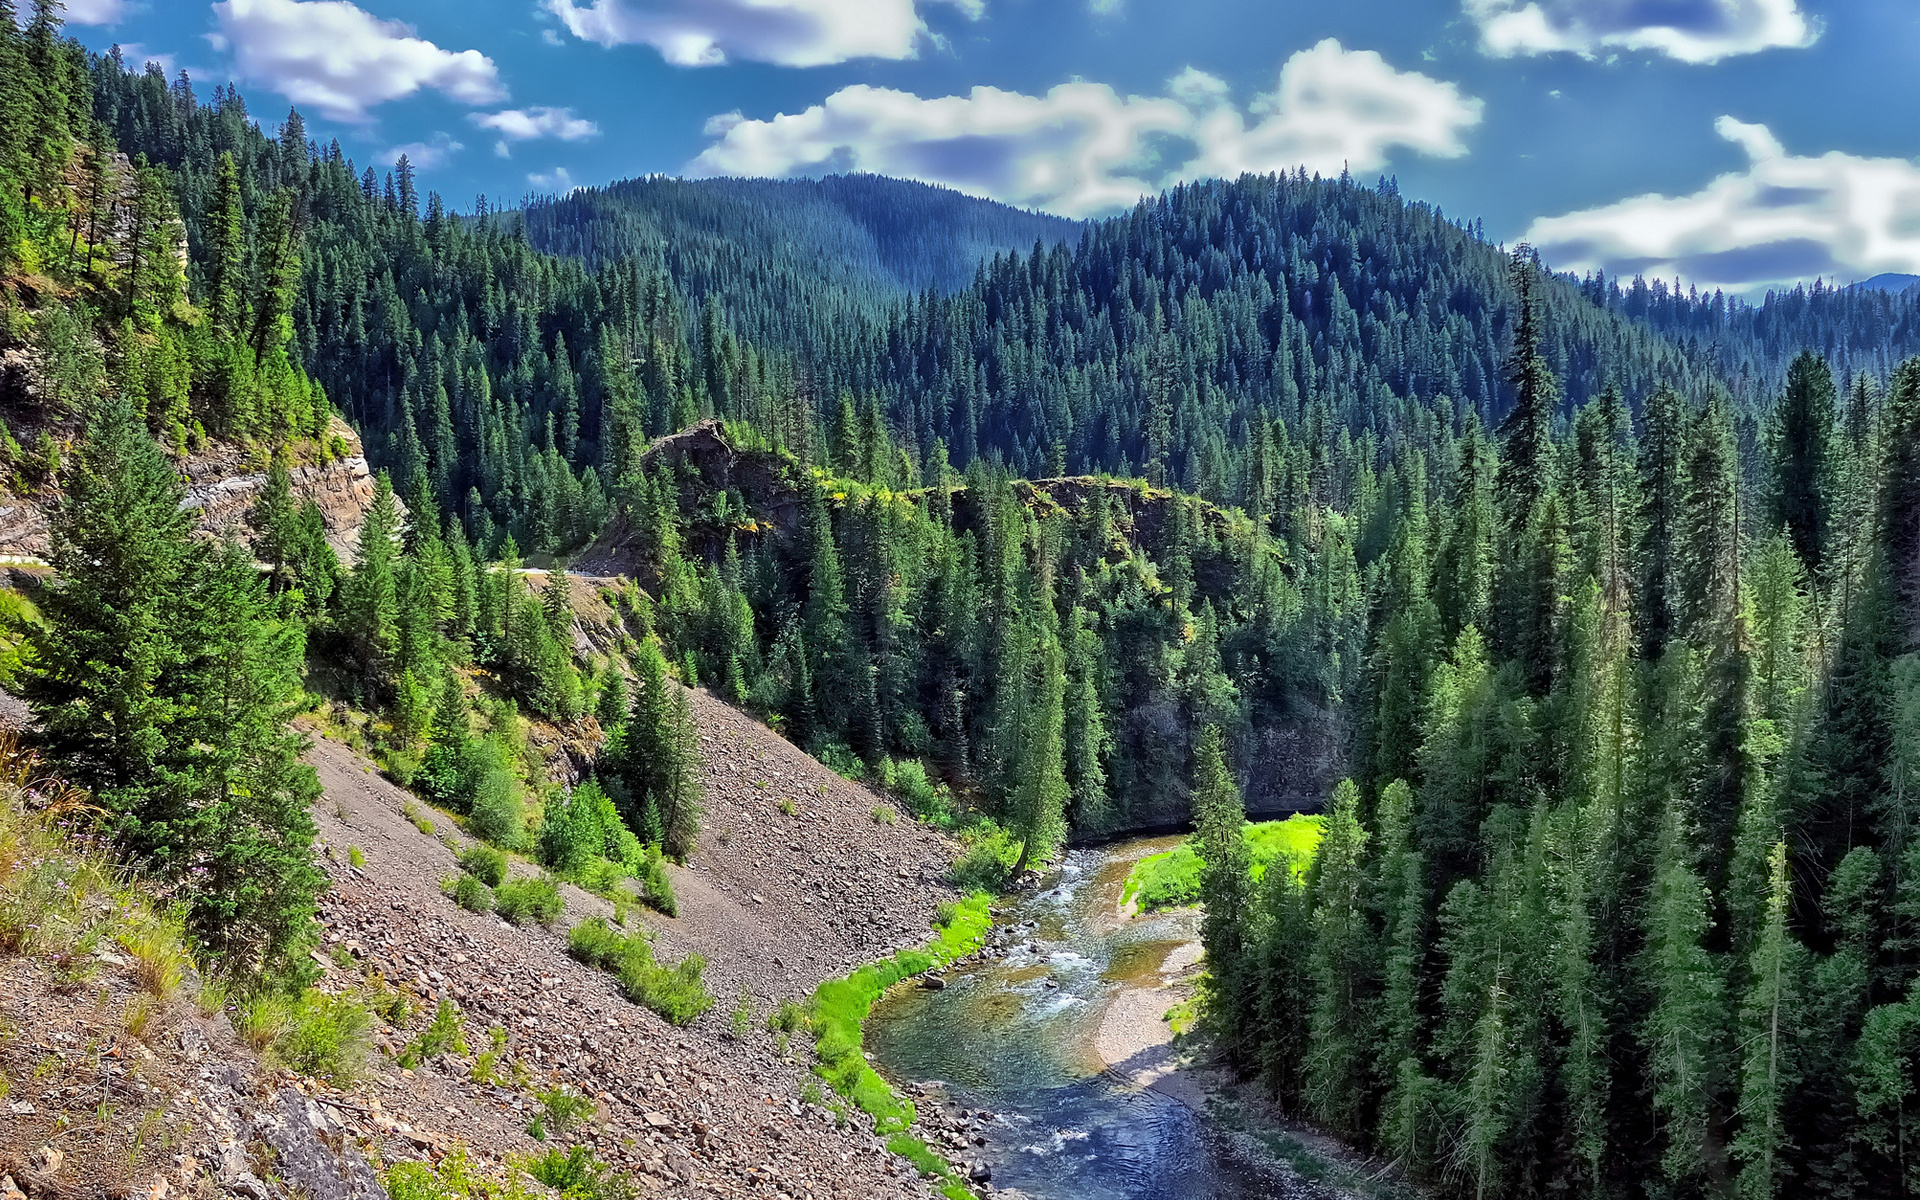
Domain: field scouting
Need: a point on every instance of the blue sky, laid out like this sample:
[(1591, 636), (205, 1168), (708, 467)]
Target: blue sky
[(1732, 143)]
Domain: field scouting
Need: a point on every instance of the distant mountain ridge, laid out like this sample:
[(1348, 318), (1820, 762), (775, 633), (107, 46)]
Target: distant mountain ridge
[(779, 252), (1886, 281)]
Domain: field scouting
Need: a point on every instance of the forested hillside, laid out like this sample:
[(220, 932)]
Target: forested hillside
[(798, 262), (1621, 899), (1863, 331)]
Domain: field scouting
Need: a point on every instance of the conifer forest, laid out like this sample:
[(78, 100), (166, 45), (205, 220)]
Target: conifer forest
[(1586, 609)]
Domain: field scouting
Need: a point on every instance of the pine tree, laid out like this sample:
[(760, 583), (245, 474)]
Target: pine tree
[(1769, 1032), (1341, 970), (1805, 483), (369, 602), (253, 884), (1226, 889), (226, 252), (1683, 1031), (105, 675), (1037, 811), (1662, 483)]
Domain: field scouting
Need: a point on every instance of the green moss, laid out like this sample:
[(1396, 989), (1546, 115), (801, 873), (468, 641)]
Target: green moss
[(839, 1012), (1172, 877)]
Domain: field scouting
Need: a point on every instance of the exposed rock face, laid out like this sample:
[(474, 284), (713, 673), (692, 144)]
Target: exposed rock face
[(702, 452), (222, 484)]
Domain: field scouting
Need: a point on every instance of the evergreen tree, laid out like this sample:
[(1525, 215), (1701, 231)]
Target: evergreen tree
[(1226, 882), (104, 680), (1805, 482), (1341, 970), (253, 883)]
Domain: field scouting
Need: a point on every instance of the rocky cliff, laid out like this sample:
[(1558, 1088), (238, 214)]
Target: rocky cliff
[(223, 481)]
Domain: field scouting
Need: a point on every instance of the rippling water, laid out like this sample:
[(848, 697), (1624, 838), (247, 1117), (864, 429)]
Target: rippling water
[(1016, 1036)]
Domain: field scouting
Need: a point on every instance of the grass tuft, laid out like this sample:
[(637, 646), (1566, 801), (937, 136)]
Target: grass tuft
[(1171, 879), (677, 993), (486, 864)]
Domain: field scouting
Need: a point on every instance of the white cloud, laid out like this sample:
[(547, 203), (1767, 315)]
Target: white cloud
[(1694, 31), (788, 33), (96, 12), (1782, 219), (341, 60), (1081, 149), (1333, 109), (427, 155), (525, 124), (556, 180), (1078, 149)]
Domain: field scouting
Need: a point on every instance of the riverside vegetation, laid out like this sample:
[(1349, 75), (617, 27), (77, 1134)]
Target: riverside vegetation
[(1619, 655)]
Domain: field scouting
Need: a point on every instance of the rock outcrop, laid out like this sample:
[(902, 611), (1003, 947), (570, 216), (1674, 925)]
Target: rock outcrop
[(223, 481)]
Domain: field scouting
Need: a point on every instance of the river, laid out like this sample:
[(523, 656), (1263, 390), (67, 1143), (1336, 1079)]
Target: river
[(1022, 1036)]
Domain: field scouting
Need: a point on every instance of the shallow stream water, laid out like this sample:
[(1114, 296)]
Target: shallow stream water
[(1016, 1035)]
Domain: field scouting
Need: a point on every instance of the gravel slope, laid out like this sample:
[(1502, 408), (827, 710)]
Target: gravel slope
[(776, 903)]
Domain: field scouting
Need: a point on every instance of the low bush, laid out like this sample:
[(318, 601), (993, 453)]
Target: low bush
[(444, 1035), (989, 859), (656, 889), (533, 899), (325, 1036), (907, 779), (577, 1175), (677, 993), (472, 894), (499, 813), (843, 762), (455, 1177), (562, 1109), (486, 864)]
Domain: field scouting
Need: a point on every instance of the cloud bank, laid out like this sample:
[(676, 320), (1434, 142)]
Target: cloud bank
[(1081, 149), (1782, 219), (95, 12), (527, 124), (1693, 31), (1334, 108), (788, 33), (340, 60)]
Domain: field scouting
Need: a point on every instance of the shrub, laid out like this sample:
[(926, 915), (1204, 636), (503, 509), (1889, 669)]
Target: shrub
[(577, 1175), (472, 894), (597, 944), (326, 1036), (579, 828), (499, 815), (488, 1063), (787, 1018), (677, 993), (520, 900), (455, 1178), (418, 819), (841, 761), (562, 1109), (444, 1034), (907, 779), (656, 889), (355, 858), (985, 865), (486, 864), (884, 815)]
